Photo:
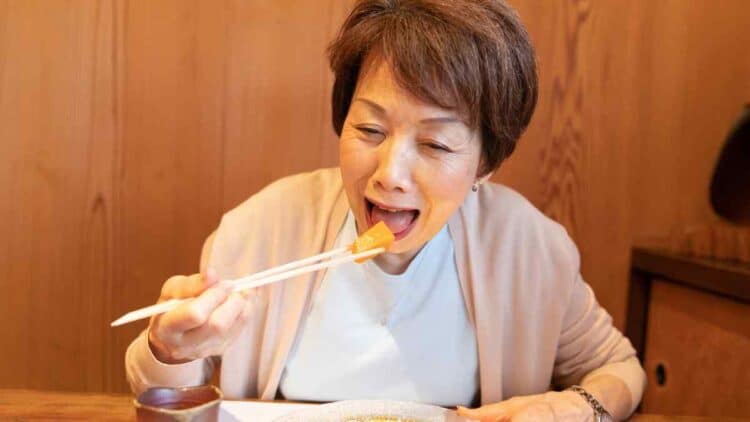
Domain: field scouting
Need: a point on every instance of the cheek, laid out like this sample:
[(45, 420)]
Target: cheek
[(355, 160), (446, 186), (444, 199)]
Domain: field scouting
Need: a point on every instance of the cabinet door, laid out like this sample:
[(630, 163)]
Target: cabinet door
[(697, 353)]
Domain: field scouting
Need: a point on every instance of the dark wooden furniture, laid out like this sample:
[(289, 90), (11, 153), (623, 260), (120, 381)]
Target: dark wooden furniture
[(730, 187), (689, 320)]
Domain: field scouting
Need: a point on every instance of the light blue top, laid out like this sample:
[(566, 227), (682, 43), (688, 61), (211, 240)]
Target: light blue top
[(373, 335)]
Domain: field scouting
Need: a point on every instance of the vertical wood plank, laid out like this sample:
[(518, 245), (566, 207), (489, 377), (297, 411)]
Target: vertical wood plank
[(570, 162), (172, 136), (47, 132), (99, 246), (632, 113), (278, 90)]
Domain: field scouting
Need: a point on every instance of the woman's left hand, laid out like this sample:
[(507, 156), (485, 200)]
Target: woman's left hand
[(555, 406)]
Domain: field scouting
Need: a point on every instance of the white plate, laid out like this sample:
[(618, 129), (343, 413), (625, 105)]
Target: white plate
[(360, 410)]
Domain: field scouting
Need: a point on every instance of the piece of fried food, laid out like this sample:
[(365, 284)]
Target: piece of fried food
[(379, 236)]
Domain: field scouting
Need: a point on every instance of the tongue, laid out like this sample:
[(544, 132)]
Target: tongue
[(396, 221)]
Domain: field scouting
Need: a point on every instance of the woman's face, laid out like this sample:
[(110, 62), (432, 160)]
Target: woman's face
[(404, 162)]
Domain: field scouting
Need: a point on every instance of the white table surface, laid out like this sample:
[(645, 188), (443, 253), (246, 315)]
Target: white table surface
[(233, 411)]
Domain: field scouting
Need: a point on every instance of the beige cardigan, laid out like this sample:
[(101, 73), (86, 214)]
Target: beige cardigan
[(537, 322)]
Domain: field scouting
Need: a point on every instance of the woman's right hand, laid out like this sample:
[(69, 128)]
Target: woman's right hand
[(197, 328)]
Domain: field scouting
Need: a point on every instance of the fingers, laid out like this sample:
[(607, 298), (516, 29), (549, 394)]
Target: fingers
[(539, 411), (202, 327), (482, 414), (210, 278), (539, 407), (196, 312), (180, 286), (478, 414), (239, 323), (218, 327), (485, 413), (211, 345), (501, 411), (222, 327)]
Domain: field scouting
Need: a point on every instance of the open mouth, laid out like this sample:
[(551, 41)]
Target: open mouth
[(399, 220)]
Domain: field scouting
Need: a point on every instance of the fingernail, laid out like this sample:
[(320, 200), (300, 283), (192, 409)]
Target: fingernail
[(466, 412)]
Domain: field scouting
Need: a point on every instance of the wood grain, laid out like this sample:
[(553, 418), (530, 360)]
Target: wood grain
[(128, 127), (635, 100), (27, 405), (563, 163), (23, 405), (278, 118), (56, 136)]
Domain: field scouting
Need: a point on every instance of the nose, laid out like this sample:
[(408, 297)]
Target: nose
[(395, 162)]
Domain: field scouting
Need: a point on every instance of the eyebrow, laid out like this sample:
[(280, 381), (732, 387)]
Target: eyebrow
[(380, 110)]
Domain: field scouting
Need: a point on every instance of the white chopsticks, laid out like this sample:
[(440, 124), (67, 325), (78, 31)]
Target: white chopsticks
[(272, 275)]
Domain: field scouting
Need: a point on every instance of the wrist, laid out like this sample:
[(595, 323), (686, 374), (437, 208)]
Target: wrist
[(583, 411), (599, 413)]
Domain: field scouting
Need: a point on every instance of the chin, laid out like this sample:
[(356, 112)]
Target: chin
[(405, 246)]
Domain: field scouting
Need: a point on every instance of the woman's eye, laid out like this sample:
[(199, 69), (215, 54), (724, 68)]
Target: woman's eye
[(437, 146), (371, 132)]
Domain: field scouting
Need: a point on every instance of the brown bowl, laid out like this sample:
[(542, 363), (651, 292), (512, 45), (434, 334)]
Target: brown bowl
[(194, 404)]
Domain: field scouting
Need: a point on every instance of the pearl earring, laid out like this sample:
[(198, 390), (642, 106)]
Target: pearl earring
[(475, 187)]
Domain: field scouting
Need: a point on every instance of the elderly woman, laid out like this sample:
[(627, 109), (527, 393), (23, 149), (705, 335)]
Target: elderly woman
[(479, 301)]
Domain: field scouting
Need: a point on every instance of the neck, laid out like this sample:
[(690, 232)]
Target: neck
[(395, 263)]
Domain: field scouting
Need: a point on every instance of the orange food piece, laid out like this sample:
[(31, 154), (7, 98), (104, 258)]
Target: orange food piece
[(379, 236)]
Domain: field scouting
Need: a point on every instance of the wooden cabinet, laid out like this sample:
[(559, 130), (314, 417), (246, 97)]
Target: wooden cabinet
[(689, 319)]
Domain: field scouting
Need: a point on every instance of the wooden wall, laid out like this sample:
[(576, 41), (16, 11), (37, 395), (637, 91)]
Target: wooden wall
[(636, 99), (128, 127)]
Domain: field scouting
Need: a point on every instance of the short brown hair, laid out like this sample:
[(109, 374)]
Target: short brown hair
[(469, 55)]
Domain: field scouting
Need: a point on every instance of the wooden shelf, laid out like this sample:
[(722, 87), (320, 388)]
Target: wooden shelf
[(727, 278), (689, 321)]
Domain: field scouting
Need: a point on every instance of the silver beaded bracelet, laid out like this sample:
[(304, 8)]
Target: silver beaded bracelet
[(600, 413)]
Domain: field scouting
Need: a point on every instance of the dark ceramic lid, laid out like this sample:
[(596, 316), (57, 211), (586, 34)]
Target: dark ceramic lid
[(730, 187)]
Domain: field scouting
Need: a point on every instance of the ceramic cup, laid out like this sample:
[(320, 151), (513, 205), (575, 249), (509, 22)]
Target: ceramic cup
[(194, 404)]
